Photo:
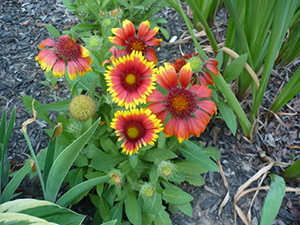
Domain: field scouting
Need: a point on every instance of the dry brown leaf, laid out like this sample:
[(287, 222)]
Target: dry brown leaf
[(29, 121)]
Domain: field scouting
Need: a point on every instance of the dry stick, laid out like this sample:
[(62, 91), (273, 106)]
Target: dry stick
[(254, 196), (243, 187), (225, 200), (198, 35), (247, 67)]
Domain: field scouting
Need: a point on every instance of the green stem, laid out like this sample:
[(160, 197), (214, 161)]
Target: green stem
[(36, 162), (198, 13)]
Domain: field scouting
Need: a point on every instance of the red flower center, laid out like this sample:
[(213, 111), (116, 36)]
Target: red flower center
[(67, 48), (181, 103), (131, 81), (134, 131), (136, 44)]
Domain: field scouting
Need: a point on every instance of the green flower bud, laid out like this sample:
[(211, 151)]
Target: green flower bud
[(166, 168), (107, 22), (147, 190), (196, 64), (116, 13), (82, 107), (95, 42), (116, 177)]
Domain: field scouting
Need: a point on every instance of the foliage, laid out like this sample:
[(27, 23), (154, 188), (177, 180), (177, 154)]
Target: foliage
[(129, 147), (32, 211)]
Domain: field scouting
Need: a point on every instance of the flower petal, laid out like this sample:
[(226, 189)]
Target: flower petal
[(156, 96), (47, 42), (181, 130), (212, 62), (167, 77), (151, 55), (143, 28), (59, 68), (201, 91), (208, 106), (170, 127), (120, 33), (153, 42), (156, 107), (84, 52), (151, 34), (117, 41), (208, 78), (73, 69), (185, 75), (213, 69), (196, 127), (128, 28)]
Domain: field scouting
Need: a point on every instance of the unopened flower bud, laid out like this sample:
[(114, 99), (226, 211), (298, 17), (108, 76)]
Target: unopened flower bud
[(103, 14), (94, 42), (195, 63), (116, 13), (147, 190), (82, 107), (116, 177), (107, 22), (166, 168)]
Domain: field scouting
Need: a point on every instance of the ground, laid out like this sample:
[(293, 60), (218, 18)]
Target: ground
[(22, 28)]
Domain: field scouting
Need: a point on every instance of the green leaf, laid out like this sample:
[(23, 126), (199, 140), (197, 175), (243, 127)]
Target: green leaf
[(132, 209), (53, 30), (212, 152), (133, 160), (152, 205), (292, 172), (64, 161), (68, 197), (162, 218), (40, 209), (234, 69), (273, 200), (228, 115), (56, 106), (195, 180), (186, 209), (158, 154), (103, 205), (22, 219), (116, 212), (109, 146), (147, 218), (195, 154), (164, 32), (84, 27), (112, 222), (9, 129), (27, 100), (190, 168), (176, 196), (15, 182), (106, 162)]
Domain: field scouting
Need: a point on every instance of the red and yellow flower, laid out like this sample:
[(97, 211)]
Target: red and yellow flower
[(130, 79), (127, 37), (199, 66), (138, 127), (187, 104), (64, 52)]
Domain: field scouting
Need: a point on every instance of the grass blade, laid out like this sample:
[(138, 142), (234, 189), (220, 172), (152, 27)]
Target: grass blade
[(64, 161)]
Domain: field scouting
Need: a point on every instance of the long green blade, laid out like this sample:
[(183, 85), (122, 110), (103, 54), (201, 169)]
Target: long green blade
[(73, 193), (64, 161), (273, 200), (15, 182)]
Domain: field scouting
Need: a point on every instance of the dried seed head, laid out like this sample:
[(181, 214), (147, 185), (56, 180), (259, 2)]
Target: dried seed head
[(82, 107)]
